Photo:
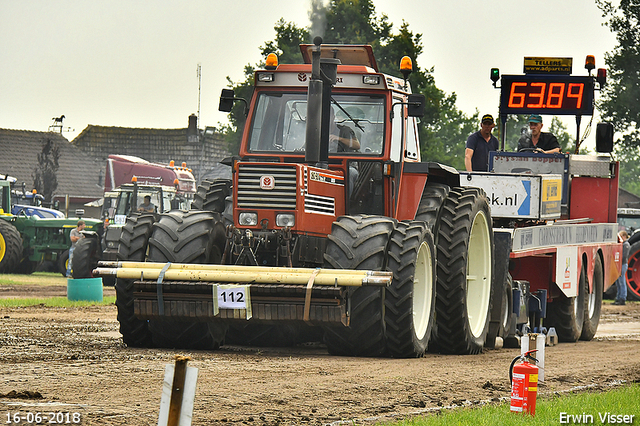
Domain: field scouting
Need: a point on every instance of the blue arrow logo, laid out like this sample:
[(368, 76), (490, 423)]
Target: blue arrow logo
[(525, 207)]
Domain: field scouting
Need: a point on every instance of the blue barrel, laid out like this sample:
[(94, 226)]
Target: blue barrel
[(88, 289)]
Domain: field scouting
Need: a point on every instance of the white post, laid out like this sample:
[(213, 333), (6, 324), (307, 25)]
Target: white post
[(178, 393)]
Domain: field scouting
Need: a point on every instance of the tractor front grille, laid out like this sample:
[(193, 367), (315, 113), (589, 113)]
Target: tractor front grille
[(252, 196)]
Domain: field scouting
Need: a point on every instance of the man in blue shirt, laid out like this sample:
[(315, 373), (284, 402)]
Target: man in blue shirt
[(476, 154)]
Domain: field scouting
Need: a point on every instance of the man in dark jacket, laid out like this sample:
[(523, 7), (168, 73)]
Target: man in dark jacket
[(538, 141)]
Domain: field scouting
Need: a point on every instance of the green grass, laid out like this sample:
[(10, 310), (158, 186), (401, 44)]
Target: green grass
[(623, 400), (37, 278), (43, 279), (58, 302)]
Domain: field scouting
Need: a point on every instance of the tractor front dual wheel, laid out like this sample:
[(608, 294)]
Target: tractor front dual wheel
[(187, 237), (410, 300), (132, 246), (393, 321), (359, 242)]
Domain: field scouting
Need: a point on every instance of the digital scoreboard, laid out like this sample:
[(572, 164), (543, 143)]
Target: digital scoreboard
[(547, 94)]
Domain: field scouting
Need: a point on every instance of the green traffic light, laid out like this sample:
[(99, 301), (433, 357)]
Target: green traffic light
[(495, 75)]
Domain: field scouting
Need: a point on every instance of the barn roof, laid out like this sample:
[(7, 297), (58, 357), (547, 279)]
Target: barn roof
[(79, 175)]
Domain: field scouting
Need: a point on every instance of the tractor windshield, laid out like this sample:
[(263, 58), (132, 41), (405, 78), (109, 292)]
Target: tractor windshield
[(280, 120)]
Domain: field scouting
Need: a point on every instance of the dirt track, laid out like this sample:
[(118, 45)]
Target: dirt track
[(75, 359)]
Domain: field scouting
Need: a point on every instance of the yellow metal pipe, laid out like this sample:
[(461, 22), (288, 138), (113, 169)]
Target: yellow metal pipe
[(227, 268), (245, 275)]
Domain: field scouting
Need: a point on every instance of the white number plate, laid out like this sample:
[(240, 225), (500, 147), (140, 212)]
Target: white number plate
[(234, 297)]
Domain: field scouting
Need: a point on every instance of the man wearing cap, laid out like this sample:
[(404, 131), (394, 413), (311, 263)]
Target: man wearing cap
[(538, 141), (476, 154)]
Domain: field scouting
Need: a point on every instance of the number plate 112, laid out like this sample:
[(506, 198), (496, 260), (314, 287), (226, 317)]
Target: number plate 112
[(234, 297)]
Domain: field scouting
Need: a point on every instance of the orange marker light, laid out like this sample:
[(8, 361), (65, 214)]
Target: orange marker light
[(590, 62), (406, 67), (134, 179), (272, 61), (405, 64), (172, 163)]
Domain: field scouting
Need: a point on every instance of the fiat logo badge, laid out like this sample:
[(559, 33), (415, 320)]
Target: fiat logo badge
[(267, 182)]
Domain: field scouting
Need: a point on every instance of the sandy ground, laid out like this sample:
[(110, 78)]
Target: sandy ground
[(61, 361)]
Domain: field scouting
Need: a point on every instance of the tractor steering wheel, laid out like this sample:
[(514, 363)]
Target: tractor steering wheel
[(538, 150)]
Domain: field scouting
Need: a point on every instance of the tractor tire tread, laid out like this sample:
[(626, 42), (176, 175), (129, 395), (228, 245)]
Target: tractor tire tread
[(359, 242)]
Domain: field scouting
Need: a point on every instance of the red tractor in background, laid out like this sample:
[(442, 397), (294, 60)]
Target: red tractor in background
[(128, 180)]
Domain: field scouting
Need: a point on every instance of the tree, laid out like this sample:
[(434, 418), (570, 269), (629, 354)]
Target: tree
[(287, 42), (354, 22), (444, 129), (620, 100), (45, 180), (629, 167)]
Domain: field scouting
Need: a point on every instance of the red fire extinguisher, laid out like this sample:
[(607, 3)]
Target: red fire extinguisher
[(524, 383)]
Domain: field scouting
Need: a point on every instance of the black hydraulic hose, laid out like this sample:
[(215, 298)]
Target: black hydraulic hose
[(511, 368), (524, 357)]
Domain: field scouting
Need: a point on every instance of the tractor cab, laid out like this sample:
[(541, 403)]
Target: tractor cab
[(331, 135)]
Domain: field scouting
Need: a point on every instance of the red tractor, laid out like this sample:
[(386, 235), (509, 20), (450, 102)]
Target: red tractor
[(331, 226)]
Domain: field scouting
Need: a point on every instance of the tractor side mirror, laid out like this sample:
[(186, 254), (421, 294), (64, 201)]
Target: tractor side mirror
[(226, 100), (604, 137), (416, 105)]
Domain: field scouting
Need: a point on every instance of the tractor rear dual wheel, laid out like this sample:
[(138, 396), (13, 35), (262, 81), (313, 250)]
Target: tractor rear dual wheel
[(187, 237), (10, 247), (464, 271), (211, 194), (430, 207)]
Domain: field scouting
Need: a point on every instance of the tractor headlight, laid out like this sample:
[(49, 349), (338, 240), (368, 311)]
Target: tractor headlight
[(266, 77), (248, 219), (285, 219), (112, 244), (371, 79)]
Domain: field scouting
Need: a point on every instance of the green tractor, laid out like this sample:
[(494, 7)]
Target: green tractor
[(26, 241)]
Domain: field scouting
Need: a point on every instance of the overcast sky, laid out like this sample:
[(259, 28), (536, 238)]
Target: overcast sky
[(133, 63)]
